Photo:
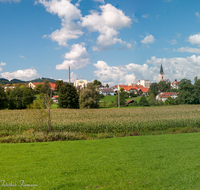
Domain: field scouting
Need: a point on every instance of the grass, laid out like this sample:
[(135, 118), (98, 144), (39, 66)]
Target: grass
[(144, 162)]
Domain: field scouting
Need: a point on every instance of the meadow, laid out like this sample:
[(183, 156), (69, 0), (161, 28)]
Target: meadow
[(70, 124), (170, 162)]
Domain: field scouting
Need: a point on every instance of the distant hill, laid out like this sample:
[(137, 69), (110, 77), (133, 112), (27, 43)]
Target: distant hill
[(4, 81)]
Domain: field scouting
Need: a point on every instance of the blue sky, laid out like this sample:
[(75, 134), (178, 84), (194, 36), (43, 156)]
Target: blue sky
[(114, 41)]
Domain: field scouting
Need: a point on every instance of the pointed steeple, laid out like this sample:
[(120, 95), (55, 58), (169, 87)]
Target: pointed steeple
[(161, 69)]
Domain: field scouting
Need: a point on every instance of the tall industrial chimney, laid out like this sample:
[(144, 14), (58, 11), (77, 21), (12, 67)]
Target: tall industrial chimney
[(69, 74)]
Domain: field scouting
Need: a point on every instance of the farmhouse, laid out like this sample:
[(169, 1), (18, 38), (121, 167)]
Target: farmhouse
[(107, 91), (164, 95)]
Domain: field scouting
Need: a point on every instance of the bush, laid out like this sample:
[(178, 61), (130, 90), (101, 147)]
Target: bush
[(143, 101)]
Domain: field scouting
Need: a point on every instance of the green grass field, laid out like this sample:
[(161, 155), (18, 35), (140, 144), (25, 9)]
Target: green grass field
[(143, 162)]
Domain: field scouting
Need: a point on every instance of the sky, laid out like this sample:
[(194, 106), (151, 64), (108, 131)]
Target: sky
[(114, 41)]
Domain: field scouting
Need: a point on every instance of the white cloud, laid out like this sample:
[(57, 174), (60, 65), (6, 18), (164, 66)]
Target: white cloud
[(78, 3), (101, 1), (106, 23), (135, 19), (149, 39), (77, 58), (197, 14), (2, 64), (68, 13), (26, 74), (178, 67), (189, 50), (145, 16), (22, 57), (194, 39), (16, 1), (173, 41), (178, 35)]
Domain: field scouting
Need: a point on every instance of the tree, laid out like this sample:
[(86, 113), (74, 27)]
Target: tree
[(3, 99), (89, 97), (16, 98), (59, 83), (107, 86), (163, 86), (153, 89), (122, 99), (96, 82), (38, 87), (46, 88), (152, 99), (197, 90), (186, 90), (68, 97), (143, 101), (28, 97)]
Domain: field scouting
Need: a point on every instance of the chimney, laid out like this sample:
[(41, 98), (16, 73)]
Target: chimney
[(69, 74)]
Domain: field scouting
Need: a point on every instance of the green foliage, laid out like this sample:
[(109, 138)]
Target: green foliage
[(59, 83), (27, 97), (132, 94), (89, 97), (170, 101), (96, 82), (68, 97), (3, 99), (135, 103), (46, 88), (152, 99), (38, 88), (153, 89), (16, 96), (163, 86), (122, 99), (107, 86), (143, 101)]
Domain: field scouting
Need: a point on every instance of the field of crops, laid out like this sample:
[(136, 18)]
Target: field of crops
[(103, 120)]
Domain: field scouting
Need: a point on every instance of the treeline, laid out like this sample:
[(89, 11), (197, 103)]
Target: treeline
[(17, 98)]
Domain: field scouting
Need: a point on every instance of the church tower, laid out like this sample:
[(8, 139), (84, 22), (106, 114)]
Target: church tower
[(161, 74)]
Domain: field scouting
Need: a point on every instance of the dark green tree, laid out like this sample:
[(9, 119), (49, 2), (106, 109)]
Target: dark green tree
[(107, 86), (96, 82), (59, 83), (68, 97), (38, 88), (122, 99), (143, 101), (197, 90), (186, 90), (163, 86), (3, 99), (28, 97), (16, 96), (46, 88), (153, 89), (152, 99), (89, 97)]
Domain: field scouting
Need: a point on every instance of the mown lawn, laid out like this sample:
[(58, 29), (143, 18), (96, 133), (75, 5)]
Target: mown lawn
[(143, 162)]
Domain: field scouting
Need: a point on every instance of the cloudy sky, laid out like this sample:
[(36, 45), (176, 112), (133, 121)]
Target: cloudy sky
[(114, 41)]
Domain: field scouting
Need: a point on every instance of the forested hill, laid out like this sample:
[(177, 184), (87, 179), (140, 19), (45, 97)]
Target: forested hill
[(14, 81)]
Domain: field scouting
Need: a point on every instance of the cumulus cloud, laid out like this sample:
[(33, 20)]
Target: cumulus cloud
[(68, 13), (194, 39), (101, 1), (189, 50), (26, 74), (16, 1), (122, 74), (149, 39), (178, 67), (77, 58), (145, 16), (106, 23)]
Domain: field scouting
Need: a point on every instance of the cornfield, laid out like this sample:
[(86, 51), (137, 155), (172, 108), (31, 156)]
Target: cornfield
[(102, 120)]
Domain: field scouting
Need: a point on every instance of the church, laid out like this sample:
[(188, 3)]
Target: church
[(162, 75)]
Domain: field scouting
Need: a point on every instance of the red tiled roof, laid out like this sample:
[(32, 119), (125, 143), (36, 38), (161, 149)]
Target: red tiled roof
[(144, 90), (55, 96), (175, 82), (127, 88), (167, 94), (52, 85)]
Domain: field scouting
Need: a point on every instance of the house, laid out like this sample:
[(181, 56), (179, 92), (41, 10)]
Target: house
[(130, 89), (107, 91), (144, 83), (55, 99), (174, 84), (144, 91), (80, 83), (164, 95), (33, 85)]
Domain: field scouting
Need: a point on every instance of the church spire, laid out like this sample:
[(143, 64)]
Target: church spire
[(161, 69)]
